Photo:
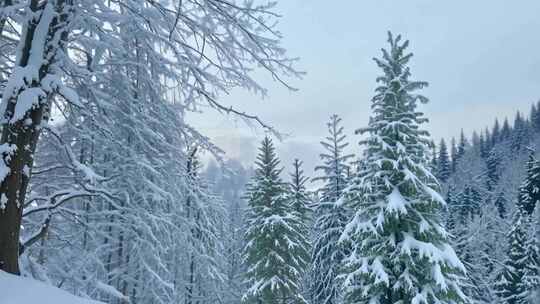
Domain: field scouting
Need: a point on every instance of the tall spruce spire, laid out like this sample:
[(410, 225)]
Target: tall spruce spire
[(400, 251)]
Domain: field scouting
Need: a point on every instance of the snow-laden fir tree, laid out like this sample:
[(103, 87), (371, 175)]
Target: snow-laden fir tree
[(506, 130), (496, 132), (532, 267), (529, 192), (462, 146), (535, 117), (510, 286), (301, 203), (493, 162), (453, 154), (299, 198), (469, 202), (444, 166), (528, 202), (483, 146), (400, 251), (275, 252), (520, 134), (335, 162), (331, 217)]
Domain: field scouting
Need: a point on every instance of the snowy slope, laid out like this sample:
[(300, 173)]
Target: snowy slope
[(20, 290)]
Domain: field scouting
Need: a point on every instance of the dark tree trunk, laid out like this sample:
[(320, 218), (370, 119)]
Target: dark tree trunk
[(22, 138), (13, 187)]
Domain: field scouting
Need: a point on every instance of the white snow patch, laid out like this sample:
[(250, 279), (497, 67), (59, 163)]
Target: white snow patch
[(3, 201), (21, 290), (27, 100), (6, 152), (396, 202), (110, 290)]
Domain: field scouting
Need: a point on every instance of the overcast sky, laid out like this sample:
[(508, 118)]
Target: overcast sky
[(481, 58)]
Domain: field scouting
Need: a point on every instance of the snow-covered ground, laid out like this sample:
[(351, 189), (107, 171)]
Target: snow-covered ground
[(20, 290)]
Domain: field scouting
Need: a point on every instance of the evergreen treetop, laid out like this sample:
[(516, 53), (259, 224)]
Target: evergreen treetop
[(276, 247), (529, 192), (400, 252), (510, 287), (444, 166), (335, 166), (299, 197)]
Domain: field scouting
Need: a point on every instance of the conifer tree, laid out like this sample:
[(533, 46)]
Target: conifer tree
[(520, 133), (335, 161), (529, 192), (532, 267), (488, 139), (469, 203), (493, 163), (301, 204), (434, 164), (506, 130), (444, 166), (496, 133), (535, 117), (510, 287), (528, 202), (452, 207), (500, 203), (331, 217), (462, 146), (300, 201), (483, 146), (275, 253), (475, 140), (400, 251), (454, 154)]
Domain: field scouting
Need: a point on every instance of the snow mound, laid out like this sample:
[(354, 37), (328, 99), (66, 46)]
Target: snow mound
[(21, 290)]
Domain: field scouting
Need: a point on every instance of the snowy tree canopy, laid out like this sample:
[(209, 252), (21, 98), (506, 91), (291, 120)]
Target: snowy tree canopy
[(276, 247), (400, 250), (330, 217)]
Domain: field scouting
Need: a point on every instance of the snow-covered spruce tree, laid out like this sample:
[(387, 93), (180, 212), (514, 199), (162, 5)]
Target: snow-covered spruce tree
[(529, 192), (528, 202), (434, 163), (299, 198), (510, 286), (506, 130), (535, 117), (483, 145), (275, 252), (335, 162), (444, 166), (453, 154), (469, 202), (301, 203), (461, 147), (331, 217), (500, 203), (493, 162), (520, 134), (496, 133), (400, 250), (532, 267)]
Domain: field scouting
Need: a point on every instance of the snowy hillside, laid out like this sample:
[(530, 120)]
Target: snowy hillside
[(20, 290)]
